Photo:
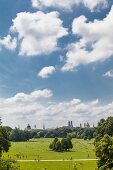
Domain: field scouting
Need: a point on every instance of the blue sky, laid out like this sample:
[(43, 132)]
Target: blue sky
[(54, 53)]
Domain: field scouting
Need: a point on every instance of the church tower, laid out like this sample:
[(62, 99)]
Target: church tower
[(43, 126), (0, 121)]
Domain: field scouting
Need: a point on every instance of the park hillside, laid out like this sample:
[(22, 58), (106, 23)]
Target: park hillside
[(63, 148)]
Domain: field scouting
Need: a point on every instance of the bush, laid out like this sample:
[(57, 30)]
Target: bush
[(8, 165)]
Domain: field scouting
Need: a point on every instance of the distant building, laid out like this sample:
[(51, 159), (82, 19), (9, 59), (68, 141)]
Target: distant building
[(86, 125), (0, 120), (28, 127), (80, 125), (44, 127), (70, 124)]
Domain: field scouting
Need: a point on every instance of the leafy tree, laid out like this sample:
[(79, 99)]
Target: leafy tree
[(66, 144), (69, 135), (9, 129), (104, 151), (4, 147), (88, 132), (104, 127), (53, 144), (109, 126), (41, 134), (58, 146), (18, 135), (63, 145), (4, 140), (8, 165)]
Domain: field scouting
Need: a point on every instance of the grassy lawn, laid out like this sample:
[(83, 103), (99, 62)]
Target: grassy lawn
[(39, 149), (58, 165)]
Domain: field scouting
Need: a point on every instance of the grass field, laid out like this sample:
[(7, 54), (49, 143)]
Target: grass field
[(58, 165), (39, 150)]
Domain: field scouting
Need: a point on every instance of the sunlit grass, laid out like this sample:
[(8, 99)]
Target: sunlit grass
[(39, 150)]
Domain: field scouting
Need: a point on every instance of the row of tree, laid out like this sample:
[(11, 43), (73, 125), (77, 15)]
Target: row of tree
[(18, 135)]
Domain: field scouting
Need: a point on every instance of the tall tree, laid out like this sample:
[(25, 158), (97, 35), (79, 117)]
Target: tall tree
[(66, 144), (104, 151), (4, 147), (4, 140), (104, 127)]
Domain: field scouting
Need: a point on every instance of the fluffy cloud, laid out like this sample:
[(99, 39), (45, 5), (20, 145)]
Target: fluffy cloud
[(95, 44), (109, 74), (46, 72), (22, 97), (24, 108), (38, 32), (68, 4), (8, 42)]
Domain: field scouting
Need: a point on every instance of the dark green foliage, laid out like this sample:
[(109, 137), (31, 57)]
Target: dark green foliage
[(41, 134), (69, 136), (65, 132), (58, 146), (53, 144), (4, 140), (9, 129), (104, 143), (8, 165), (66, 144), (4, 147), (18, 135), (63, 145), (58, 132), (82, 133), (104, 151), (104, 127)]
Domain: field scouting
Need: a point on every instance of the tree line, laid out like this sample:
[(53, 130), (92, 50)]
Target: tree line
[(19, 135)]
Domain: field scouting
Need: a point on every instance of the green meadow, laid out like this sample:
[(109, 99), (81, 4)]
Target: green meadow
[(58, 165), (38, 149)]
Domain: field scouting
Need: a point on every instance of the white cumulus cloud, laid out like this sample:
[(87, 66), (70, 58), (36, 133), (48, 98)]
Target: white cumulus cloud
[(95, 44), (23, 108), (109, 74), (68, 4), (38, 32), (46, 71), (8, 42), (22, 97)]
